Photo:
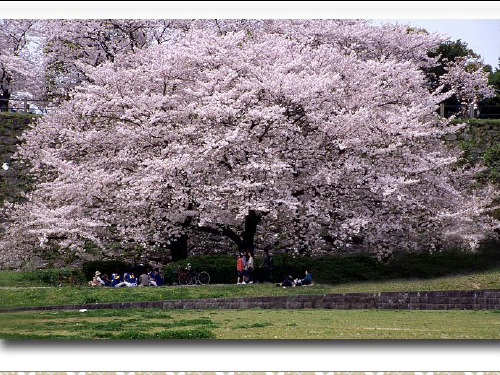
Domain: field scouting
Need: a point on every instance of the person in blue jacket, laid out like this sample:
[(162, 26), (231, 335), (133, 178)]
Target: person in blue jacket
[(130, 280), (155, 278), (116, 279), (307, 280)]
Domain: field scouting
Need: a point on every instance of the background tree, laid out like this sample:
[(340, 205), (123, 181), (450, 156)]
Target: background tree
[(446, 52), (16, 68), (490, 106), (450, 54), (321, 132), (466, 79)]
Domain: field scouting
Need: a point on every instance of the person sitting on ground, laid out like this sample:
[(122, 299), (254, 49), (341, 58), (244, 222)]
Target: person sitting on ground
[(155, 278), (307, 280), (129, 280), (287, 281), (240, 268), (144, 279), (116, 279), (96, 280), (152, 281), (105, 278)]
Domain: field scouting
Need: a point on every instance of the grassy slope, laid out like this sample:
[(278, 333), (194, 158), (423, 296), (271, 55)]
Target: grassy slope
[(251, 324), (32, 296), (476, 121)]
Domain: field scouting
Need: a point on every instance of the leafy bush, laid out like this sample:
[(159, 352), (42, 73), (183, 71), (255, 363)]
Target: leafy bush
[(50, 276), (426, 264), (476, 121), (46, 277)]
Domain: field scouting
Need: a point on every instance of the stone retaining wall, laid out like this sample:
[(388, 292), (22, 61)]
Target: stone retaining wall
[(13, 181), (483, 299)]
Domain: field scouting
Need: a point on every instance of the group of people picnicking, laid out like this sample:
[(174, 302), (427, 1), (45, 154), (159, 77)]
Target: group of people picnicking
[(128, 279), (290, 281), (244, 267)]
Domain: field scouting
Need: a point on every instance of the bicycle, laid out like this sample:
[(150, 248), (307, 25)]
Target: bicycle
[(71, 279), (191, 277)]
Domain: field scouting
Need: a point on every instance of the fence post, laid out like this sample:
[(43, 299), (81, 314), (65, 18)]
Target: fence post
[(25, 100), (441, 109)]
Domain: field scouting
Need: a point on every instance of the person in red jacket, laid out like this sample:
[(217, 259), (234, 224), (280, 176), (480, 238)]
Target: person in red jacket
[(240, 268)]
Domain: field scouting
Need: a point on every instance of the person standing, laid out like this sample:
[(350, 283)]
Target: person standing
[(244, 261), (240, 268), (249, 267), (266, 267)]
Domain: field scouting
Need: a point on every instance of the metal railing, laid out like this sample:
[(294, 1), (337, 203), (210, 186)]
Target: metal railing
[(26, 105), (42, 107), (470, 111)]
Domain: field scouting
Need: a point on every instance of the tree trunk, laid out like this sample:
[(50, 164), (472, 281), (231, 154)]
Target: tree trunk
[(179, 249), (248, 236), (245, 241), (4, 100)]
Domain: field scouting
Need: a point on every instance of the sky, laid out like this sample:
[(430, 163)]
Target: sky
[(476, 23)]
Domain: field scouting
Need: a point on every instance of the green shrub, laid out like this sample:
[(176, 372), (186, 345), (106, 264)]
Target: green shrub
[(46, 277), (340, 269), (476, 121), (426, 264), (50, 276)]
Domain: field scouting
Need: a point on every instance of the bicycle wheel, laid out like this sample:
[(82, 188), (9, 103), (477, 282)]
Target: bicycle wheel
[(183, 279), (203, 278), (74, 281)]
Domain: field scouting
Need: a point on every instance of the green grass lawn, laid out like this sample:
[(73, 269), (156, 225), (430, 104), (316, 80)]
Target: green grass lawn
[(251, 324), (34, 296), (240, 324)]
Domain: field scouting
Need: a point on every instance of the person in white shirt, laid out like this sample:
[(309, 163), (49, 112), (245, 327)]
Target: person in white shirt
[(249, 268)]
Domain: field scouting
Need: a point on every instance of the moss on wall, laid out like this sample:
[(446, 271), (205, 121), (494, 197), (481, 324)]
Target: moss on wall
[(14, 180)]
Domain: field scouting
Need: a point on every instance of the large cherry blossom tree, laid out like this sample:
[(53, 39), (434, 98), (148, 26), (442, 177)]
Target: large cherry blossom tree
[(321, 134)]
